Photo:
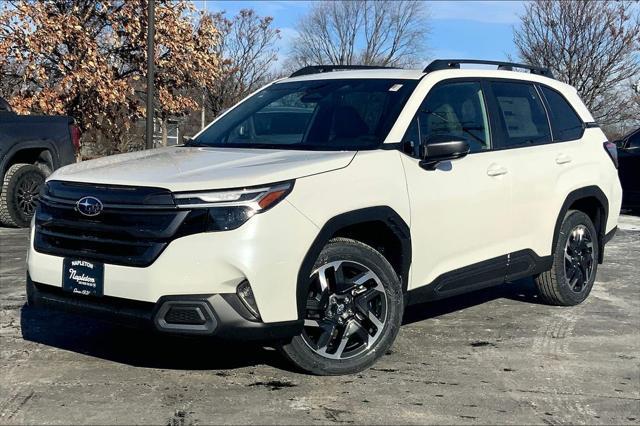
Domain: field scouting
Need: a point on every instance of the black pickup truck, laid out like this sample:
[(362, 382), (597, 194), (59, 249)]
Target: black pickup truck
[(31, 148)]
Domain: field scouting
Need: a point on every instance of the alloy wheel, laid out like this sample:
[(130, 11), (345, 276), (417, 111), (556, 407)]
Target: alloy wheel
[(578, 258), (346, 310), (27, 193)]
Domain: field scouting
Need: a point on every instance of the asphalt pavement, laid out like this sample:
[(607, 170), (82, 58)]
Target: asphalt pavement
[(496, 356)]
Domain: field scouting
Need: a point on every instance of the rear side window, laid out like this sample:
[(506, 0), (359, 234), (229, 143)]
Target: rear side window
[(522, 114), (565, 123), (634, 142)]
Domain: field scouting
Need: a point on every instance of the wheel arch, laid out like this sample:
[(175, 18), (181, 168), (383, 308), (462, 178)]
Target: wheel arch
[(355, 224), (30, 152), (592, 201)]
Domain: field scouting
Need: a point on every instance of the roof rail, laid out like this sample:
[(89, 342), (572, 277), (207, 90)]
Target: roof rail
[(445, 64), (316, 69)]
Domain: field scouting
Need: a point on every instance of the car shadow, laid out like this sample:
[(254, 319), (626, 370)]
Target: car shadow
[(149, 349), (139, 347), (523, 290)]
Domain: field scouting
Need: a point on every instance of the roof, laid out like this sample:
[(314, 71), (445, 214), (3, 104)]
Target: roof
[(390, 73), (406, 74), (332, 72)]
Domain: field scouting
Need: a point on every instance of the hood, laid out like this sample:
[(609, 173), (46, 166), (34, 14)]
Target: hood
[(198, 168)]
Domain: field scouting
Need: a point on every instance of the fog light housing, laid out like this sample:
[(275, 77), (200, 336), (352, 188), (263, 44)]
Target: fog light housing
[(246, 297)]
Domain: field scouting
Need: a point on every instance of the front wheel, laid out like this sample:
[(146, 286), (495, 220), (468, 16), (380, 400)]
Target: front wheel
[(575, 262), (353, 312)]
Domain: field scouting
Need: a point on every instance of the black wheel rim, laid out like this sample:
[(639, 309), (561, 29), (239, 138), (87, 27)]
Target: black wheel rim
[(578, 258), (346, 310), (27, 194)]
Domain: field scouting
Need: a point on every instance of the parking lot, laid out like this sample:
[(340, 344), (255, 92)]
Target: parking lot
[(495, 356)]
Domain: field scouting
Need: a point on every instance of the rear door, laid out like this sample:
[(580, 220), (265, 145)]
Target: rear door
[(540, 159)]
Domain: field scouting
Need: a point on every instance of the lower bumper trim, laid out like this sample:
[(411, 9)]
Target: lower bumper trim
[(220, 318)]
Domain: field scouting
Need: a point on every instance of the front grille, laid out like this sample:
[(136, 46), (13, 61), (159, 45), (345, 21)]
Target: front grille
[(135, 226)]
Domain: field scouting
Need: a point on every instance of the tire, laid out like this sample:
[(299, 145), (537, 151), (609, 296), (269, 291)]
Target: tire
[(361, 301), (571, 278), (20, 189)]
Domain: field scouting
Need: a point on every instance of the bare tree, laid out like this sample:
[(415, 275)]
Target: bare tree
[(248, 50), (593, 45), (362, 32)]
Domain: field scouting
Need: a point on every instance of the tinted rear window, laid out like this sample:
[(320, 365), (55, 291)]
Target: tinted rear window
[(565, 123), (634, 141)]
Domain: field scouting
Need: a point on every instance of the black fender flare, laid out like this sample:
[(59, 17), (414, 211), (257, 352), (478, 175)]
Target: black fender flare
[(576, 195), (41, 144), (384, 214)]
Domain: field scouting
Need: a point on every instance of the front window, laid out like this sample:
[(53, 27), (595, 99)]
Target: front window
[(327, 115), (453, 110)]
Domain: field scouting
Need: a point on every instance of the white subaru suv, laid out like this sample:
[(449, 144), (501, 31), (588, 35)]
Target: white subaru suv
[(311, 213)]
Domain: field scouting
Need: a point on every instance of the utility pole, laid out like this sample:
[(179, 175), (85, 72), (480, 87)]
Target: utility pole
[(202, 115), (151, 18), (204, 90)]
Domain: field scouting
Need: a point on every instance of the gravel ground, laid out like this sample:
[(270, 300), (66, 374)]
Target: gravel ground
[(494, 356)]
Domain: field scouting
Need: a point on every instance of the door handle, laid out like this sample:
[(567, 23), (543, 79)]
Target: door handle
[(497, 170), (563, 159)]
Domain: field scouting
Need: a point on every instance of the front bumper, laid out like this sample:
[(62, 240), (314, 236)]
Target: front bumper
[(220, 315), (267, 251)]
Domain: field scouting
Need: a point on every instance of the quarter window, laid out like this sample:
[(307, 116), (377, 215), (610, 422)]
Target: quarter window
[(522, 114), (634, 141), (455, 110), (565, 123)]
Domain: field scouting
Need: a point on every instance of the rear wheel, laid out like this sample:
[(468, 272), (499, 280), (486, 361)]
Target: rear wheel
[(353, 312), (575, 262), (20, 190)]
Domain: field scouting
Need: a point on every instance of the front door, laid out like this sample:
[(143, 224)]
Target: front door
[(460, 212)]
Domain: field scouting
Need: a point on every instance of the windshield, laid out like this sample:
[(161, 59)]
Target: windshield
[(329, 115)]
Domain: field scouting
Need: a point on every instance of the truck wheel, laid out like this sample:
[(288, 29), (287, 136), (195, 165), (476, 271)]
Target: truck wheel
[(575, 262), (353, 312), (20, 190)]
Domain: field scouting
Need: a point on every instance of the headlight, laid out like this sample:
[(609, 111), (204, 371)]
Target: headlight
[(228, 209)]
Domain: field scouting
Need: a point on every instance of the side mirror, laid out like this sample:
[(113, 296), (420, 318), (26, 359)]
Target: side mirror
[(435, 151)]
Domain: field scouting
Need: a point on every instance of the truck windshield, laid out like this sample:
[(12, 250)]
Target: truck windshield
[(327, 115)]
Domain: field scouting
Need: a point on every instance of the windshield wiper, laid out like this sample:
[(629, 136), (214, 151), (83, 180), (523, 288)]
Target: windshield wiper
[(193, 142)]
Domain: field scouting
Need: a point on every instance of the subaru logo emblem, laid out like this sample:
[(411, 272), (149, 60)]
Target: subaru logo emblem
[(89, 206)]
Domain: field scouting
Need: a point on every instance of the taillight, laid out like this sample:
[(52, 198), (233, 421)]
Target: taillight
[(612, 150), (75, 136)]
